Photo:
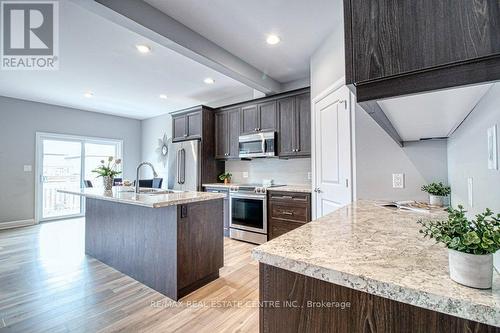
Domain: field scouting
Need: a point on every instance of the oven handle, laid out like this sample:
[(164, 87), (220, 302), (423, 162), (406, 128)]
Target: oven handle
[(248, 196)]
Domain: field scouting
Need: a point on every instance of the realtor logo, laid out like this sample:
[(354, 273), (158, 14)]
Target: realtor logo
[(30, 35)]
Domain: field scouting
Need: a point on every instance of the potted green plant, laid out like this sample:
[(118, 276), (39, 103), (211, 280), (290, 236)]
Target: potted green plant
[(108, 172), (437, 193), (471, 245), (225, 177)]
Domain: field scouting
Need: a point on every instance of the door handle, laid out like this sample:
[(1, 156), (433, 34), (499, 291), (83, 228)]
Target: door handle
[(181, 164)]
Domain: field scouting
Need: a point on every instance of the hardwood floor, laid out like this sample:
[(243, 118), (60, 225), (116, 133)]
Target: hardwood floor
[(48, 284)]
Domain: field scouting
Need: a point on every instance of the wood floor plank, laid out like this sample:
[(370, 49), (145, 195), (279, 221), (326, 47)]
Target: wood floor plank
[(47, 284)]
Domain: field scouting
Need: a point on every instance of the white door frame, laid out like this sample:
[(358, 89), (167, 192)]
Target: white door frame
[(40, 136), (315, 100)]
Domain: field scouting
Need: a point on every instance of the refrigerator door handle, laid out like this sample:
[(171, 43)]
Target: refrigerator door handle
[(181, 166), (178, 167)]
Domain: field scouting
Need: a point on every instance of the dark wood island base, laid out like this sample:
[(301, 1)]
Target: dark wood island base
[(293, 302), (173, 250)]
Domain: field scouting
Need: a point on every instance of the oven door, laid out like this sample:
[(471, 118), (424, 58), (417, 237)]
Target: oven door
[(248, 212)]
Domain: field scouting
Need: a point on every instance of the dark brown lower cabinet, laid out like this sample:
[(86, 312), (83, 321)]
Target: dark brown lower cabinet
[(173, 250), (292, 302), (287, 211)]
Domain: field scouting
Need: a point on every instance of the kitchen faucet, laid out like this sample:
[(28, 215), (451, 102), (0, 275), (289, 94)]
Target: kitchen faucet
[(137, 174)]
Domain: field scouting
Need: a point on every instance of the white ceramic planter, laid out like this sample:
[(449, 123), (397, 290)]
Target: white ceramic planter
[(471, 270), (436, 200)]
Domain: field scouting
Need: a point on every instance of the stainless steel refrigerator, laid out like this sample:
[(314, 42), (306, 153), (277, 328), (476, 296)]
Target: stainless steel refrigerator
[(184, 166)]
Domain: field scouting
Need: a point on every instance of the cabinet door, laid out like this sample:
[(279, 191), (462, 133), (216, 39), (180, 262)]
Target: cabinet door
[(249, 119), (233, 117), (179, 126), (267, 116), (303, 125), (287, 129), (194, 125), (407, 35), (221, 135), (278, 228)]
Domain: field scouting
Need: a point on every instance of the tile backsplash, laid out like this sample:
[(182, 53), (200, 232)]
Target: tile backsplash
[(287, 172)]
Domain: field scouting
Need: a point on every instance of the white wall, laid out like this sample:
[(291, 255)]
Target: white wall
[(378, 157), (20, 120), (327, 62), (153, 130), (467, 157)]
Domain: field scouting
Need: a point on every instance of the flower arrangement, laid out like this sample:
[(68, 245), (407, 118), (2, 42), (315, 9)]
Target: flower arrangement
[(109, 169)]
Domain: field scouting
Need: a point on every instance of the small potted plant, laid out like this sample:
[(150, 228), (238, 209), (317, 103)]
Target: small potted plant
[(108, 172), (471, 245), (437, 193), (225, 177)]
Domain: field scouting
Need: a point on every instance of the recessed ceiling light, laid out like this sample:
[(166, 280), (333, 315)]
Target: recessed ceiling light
[(143, 48), (273, 39), (209, 80), (163, 96), (88, 94)]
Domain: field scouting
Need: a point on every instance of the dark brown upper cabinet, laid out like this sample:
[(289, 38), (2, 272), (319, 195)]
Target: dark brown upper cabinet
[(294, 134), (227, 124), (199, 123), (258, 118), (403, 47), (186, 126)]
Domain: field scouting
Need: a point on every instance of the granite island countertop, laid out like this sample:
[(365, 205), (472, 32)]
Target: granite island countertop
[(128, 196), (380, 251)]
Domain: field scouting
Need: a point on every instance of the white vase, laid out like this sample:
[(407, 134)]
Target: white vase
[(471, 270), (436, 200)]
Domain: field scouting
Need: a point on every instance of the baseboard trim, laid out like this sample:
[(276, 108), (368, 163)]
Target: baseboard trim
[(16, 224)]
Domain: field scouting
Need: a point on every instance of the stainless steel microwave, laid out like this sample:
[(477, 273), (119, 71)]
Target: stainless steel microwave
[(257, 145)]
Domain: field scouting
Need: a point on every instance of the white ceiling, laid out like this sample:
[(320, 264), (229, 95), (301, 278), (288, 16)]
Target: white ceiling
[(100, 56), (434, 114), (241, 27)]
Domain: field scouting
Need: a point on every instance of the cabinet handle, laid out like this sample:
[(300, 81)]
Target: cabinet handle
[(185, 135), (285, 212)]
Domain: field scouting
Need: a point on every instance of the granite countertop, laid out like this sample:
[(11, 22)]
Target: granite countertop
[(222, 185), (293, 188), (380, 251), (284, 188), (123, 195)]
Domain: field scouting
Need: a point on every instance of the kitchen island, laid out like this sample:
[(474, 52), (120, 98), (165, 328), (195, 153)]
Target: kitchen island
[(169, 241), (366, 268)]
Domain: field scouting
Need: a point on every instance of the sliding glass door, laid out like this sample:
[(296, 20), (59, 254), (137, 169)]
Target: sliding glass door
[(64, 162)]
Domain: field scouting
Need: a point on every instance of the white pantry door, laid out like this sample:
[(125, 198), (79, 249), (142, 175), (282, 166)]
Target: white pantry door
[(332, 151)]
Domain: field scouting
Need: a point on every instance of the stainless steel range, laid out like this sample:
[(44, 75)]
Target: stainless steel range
[(248, 207)]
